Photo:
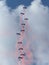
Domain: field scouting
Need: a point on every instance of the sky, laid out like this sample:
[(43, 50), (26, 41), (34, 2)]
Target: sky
[(37, 31), (14, 3)]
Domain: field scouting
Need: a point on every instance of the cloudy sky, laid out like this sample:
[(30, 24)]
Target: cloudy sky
[(36, 41)]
